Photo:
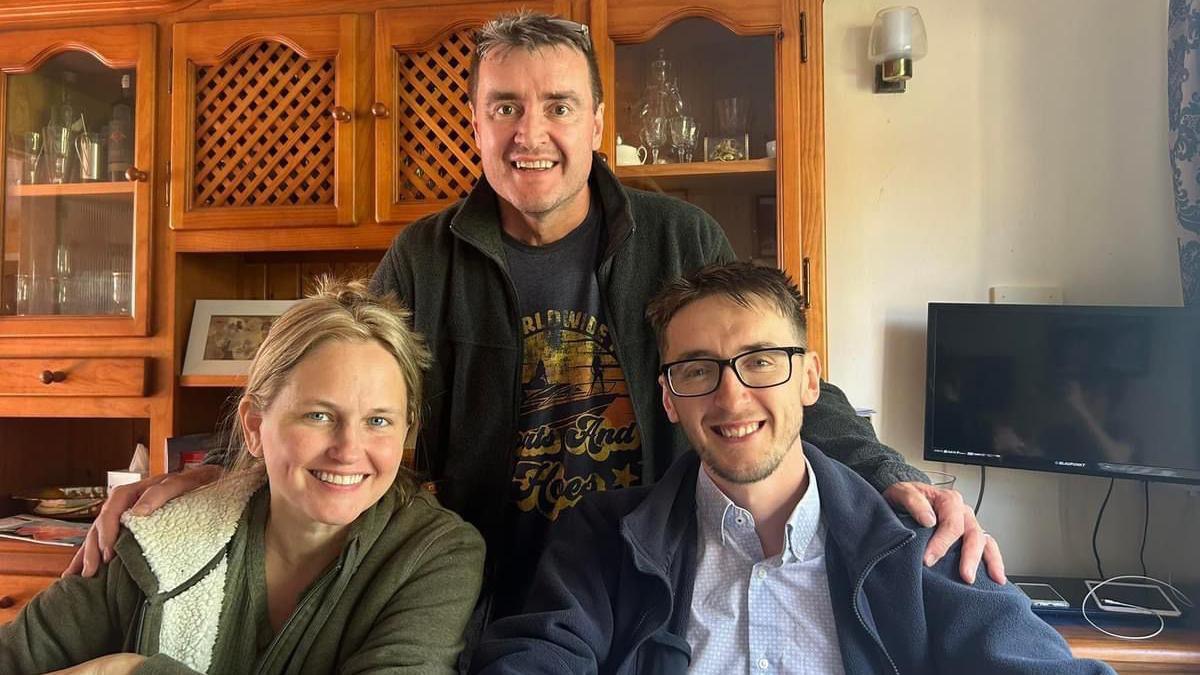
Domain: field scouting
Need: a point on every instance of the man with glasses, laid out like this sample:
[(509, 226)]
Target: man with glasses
[(755, 553), (531, 294)]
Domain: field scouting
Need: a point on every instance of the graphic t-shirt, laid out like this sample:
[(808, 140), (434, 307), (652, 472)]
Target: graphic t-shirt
[(576, 428)]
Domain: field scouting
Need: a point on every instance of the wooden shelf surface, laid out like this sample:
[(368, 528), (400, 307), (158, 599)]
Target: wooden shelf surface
[(72, 189), (764, 165), (212, 380)]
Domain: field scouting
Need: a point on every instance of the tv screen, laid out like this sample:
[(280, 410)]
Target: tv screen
[(1110, 391)]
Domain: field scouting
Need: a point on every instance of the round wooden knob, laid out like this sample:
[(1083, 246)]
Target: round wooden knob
[(379, 110), (133, 174), (340, 114), (52, 376)]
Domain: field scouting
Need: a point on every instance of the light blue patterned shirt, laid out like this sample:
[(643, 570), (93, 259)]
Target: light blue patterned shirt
[(754, 615)]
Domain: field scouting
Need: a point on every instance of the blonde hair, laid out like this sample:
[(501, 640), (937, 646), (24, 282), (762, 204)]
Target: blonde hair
[(336, 310)]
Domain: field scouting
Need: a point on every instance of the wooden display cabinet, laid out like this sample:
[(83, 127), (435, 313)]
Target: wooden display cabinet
[(76, 235)]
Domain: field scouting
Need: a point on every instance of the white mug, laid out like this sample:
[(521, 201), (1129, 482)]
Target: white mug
[(628, 155)]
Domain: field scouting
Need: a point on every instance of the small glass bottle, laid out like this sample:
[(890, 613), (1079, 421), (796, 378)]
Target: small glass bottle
[(120, 132)]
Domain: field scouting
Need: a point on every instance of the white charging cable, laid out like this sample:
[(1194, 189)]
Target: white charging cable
[(1137, 610)]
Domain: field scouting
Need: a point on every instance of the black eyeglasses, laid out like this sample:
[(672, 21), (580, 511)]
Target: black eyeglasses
[(756, 369), (580, 28)]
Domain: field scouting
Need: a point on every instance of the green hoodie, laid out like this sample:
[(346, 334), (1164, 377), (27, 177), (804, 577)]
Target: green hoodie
[(187, 588)]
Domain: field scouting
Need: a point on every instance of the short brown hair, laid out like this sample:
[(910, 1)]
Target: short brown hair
[(337, 310), (741, 282), (534, 30)]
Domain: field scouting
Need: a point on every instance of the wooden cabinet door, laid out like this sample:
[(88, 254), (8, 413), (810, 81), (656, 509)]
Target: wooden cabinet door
[(425, 155), (75, 223), (262, 115), (767, 53)]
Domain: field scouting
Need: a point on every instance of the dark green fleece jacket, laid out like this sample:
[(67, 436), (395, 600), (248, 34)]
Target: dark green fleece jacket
[(187, 588), (450, 269)]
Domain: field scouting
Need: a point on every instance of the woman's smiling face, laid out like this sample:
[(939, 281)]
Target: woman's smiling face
[(333, 437)]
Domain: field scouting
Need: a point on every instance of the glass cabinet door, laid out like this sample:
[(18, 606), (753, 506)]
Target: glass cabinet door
[(718, 103), (694, 114), (75, 198)]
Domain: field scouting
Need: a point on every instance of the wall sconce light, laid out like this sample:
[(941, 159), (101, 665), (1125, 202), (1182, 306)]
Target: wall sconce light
[(897, 39)]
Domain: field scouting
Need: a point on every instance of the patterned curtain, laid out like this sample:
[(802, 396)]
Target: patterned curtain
[(1183, 108)]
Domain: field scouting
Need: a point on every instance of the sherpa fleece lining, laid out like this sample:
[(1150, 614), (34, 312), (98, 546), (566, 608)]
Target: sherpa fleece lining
[(178, 541)]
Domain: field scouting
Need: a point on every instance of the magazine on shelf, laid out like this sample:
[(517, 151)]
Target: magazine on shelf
[(38, 530)]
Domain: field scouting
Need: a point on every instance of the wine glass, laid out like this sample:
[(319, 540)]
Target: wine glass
[(683, 137), (58, 149), (654, 136)]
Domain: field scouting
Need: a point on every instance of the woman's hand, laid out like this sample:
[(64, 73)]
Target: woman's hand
[(112, 664)]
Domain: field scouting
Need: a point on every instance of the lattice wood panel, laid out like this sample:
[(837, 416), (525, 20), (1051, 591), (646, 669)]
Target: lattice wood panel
[(263, 133), (434, 146)]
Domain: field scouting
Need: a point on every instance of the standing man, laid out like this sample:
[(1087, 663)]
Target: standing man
[(530, 286), (536, 282)]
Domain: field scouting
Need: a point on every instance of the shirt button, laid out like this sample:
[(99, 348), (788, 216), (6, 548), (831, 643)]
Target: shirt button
[(740, 520), (762, 574), (763, 664)]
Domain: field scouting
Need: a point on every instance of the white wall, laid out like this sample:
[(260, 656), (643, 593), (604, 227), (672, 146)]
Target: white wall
[(1030, 148)]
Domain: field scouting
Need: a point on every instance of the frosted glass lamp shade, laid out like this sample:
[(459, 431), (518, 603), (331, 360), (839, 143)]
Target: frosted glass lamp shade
[(897, 33)]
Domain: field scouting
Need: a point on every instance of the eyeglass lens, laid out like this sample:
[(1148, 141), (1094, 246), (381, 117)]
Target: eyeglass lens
[(762, 368)]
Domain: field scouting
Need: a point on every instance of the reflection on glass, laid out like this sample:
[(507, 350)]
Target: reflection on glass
[(68, 216), (33, 155)]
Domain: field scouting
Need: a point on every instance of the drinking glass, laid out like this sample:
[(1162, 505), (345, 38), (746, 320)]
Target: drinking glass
[(122, 296), (732, 115), (683, 137), (24, 294), (58, 149), (654, 136), (33, 155)]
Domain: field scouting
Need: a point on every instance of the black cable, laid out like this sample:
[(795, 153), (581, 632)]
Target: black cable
[(1145, 525), (1096, 529), (982, 484)]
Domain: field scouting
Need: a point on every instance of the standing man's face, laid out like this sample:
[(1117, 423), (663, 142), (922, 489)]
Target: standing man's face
[(742, 434), (536, 126)]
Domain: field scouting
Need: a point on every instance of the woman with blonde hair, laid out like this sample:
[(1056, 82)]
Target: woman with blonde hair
[(315, 553)]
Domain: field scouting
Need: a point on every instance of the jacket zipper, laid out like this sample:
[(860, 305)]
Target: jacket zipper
[(308, 596), (862, 579), (514, 316)]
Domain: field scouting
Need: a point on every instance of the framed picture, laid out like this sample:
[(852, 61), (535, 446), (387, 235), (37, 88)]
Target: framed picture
[(226, 334)]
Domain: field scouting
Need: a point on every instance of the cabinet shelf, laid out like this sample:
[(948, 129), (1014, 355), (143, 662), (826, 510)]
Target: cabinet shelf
[(212, 380), (764, 165), (752, 176), (72, 189)]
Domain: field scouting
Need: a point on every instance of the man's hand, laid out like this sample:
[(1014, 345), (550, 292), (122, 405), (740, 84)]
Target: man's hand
[(112, 664), (143, 497), (954, 520)]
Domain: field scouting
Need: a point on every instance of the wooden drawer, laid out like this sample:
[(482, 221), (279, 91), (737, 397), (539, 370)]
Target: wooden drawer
[(19, 590), (73, 377)]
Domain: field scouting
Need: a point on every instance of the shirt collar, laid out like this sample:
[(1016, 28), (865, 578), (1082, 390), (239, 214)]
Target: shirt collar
[(718, 513)]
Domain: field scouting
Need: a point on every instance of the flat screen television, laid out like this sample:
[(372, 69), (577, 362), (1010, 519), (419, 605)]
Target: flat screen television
[(1108, 391)]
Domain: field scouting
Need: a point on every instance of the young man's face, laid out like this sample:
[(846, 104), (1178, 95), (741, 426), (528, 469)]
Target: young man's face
[(536, 127), (741, 434)]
